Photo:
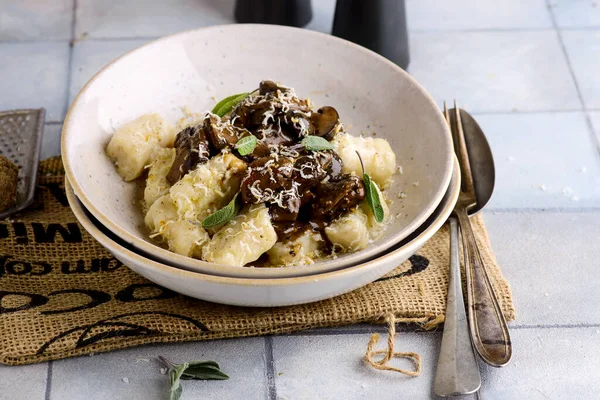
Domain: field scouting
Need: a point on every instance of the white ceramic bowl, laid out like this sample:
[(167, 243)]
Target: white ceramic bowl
[(266, 292), (194, 68)]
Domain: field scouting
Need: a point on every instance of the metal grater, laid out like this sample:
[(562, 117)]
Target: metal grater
[(21, 134)]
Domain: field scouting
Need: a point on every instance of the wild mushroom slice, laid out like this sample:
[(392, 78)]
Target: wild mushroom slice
[(308, 171), (335, 198), (326, 122), (221, 137), (192, 148), (298, 123), (266, 177), (269, 86), (252, 116)]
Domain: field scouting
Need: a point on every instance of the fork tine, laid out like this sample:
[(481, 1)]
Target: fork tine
[(462, 153), (447, 114)]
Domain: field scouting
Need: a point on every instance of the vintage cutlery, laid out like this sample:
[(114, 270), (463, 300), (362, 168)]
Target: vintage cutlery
[(457, 369), (489, 330)]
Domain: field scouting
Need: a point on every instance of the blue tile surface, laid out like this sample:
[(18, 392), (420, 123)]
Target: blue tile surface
[(576, 13), (134, 374), (501, 60), (551, 263), (322, 20), (435, 15), (548, 364), (90, 56), (543, 160), (35, 19), (51, 141), (152, 18), (583, 48), (332, 367), (34, 75), (495, 71), (595, 118), (26, 382)]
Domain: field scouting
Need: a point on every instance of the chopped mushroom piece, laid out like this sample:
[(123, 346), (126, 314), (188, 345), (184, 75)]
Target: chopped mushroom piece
[(334, 198), (192, 149), (221, 136), (326, 122)]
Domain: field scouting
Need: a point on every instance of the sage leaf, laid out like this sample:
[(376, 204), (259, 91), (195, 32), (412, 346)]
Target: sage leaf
[(206, 363), (204, 372), (316, 143), (373, 198), (176, 393), (199, 370), (246, 145), (228, 103), (372, 194), (175, 376), (224, 214)]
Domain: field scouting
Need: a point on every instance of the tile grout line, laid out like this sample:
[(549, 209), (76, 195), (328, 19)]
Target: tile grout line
[(70, 62), (586, 114), (519, 112), (360, 330), (541, 210), (555, 326), (411, 31), (48, 382), (270, 369)]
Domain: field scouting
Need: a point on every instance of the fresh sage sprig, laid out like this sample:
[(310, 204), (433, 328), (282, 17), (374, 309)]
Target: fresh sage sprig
[(246, 145), (227, 104), (372, 194), (316, 143), (198, 370), (224, 214)]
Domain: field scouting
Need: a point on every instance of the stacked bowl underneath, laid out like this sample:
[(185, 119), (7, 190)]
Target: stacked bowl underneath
[(191, 69)]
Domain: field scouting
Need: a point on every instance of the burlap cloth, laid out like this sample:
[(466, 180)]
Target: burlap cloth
[(62, 294)]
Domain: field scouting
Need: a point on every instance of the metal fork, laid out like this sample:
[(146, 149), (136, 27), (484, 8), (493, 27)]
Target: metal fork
[(457, 369), (489, 330)]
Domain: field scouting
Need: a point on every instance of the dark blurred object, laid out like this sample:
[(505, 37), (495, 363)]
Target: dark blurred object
[(280, 12), (379, 25)]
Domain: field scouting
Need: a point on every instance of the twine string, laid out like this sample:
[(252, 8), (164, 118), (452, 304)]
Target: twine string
[(389, 352)]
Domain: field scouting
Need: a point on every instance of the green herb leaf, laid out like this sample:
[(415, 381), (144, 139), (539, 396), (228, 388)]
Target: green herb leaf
[(206, 363), (316, 143), (372, 194), (204, 372), (199, 370), (223, 215), (246, 145), (176, 393), (175, 376), (228, 103)]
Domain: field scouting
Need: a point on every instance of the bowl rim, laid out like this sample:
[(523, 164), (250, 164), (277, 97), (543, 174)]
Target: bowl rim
[(113, 247), (201, 266)]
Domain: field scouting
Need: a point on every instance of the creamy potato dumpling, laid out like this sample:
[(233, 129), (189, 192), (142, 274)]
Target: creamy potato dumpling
[(265, 180)]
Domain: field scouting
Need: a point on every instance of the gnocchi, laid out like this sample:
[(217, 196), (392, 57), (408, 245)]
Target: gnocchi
[(349, 232), (376, 153), (263, 180), (132, 145), (156, 183), (243, 239), (182, 236), (209, 187), (302, 250)]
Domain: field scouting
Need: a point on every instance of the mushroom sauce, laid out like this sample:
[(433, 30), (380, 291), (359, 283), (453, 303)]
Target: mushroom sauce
[(293, 202)]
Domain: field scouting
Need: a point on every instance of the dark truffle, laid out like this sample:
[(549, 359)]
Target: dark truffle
[(8, 183)]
